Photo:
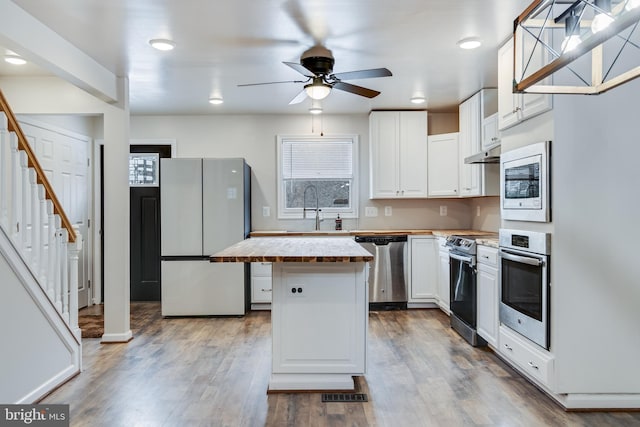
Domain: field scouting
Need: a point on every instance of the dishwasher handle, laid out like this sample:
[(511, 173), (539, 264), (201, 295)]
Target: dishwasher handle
[(380, 240)]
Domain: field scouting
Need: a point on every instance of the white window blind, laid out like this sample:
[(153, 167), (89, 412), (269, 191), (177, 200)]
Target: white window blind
[(317, 159)]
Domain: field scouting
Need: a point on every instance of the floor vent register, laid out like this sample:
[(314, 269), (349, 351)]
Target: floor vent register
[(344, 397)]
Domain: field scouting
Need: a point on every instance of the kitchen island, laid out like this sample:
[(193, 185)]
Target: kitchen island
[(319, 312)]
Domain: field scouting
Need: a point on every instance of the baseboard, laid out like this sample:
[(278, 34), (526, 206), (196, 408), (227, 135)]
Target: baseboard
[(117, 338), (46, 388), (603, 402), (422, 305)]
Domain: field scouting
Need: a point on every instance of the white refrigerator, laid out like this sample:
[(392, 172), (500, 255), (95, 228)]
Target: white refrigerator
[(205, 207)]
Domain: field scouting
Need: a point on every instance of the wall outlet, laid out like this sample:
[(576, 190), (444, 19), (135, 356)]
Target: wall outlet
[(388, 211), (477, 210), (443, 210), (370, 211), (297, 290), (266, 211)]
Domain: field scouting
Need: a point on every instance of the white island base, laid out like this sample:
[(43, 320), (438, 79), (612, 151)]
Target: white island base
[(319, 318)]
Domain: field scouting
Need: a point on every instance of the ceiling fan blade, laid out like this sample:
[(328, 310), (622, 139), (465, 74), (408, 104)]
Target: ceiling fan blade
[(299, 68), (273, 83), (358, 90), (363, 74), (299, 97)]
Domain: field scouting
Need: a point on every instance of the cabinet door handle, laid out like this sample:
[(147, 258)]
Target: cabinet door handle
[(507, 347), (533, 365), (468, 189), (265, 290)]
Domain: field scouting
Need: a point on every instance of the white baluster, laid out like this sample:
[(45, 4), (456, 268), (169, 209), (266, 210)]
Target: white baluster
[(34, 241), (44, 238), (57, 283), (51, 251), (74, 252), (64, 267), (24, 221), (5, 158), (16, 195)]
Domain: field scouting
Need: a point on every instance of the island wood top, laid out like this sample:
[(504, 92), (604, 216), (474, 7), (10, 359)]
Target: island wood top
[(294, 249)]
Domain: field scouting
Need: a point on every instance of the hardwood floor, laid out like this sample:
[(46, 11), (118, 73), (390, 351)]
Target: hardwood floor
[(214, 372)]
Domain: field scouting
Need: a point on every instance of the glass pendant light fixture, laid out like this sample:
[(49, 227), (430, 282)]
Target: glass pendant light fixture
[(572, 32), (603, 18), (318, 89)]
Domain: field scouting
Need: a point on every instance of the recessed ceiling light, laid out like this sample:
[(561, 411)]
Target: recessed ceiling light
[(15, 59), (216, 100), (418, 100), (162, 44), (469, 43), (315, 110)]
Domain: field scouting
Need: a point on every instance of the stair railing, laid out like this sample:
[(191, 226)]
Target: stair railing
[(35, 220)]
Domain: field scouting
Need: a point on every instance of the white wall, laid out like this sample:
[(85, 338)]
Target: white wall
[(254, 138)]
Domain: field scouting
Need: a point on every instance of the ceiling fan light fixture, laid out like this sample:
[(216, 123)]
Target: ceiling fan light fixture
[(216, 100), (162, 44), (318, 89), (15, 59), (469, 43), (418, 100), (315, 110)]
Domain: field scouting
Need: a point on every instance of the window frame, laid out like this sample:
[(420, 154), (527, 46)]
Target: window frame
[(296, 213)]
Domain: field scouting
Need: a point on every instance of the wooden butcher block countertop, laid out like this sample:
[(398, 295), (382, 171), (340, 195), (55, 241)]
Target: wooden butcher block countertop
[(295, 249)]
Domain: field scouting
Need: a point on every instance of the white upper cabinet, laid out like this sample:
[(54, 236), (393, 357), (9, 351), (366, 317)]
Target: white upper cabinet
[(476, 179), (514, 108), (398, 154), (443, 165)]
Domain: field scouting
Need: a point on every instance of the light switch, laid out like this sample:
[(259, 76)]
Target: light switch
[(443, 210), (370, 211), (388, 211), (266, 211)]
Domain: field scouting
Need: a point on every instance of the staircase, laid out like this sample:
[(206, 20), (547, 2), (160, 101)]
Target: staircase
[(39, 251)]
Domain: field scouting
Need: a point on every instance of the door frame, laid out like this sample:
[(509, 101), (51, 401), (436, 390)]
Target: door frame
[(97, 294)]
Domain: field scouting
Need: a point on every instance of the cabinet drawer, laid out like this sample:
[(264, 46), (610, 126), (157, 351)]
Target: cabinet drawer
[(536, 363), (488, 255), (261, 289), (261, 269)]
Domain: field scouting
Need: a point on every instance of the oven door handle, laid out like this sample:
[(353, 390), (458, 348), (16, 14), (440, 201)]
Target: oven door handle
[(522, 259), (461, 258)]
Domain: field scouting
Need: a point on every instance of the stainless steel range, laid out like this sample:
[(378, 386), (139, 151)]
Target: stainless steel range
[(463, 293)]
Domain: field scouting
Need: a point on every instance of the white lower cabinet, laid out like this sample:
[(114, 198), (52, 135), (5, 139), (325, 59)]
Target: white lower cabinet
[(319, 319), (423, 268), (530, 359), (261, 285), (488, 295), (443, 275)]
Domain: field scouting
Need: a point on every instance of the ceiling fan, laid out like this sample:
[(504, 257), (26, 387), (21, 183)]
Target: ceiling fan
[(316, 64)]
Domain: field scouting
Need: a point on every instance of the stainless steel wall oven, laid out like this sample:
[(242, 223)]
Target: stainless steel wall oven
[(525, 284)]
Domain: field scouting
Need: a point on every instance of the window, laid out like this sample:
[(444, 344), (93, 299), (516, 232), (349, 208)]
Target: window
[(143, 169), (322, 168)]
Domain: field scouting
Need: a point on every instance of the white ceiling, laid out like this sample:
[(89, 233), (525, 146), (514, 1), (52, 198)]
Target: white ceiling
[(223, 43)]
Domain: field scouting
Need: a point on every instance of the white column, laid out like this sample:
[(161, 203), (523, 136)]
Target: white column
[(116, 219)]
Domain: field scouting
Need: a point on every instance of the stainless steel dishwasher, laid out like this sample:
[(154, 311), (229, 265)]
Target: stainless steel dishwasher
[(388, 272)]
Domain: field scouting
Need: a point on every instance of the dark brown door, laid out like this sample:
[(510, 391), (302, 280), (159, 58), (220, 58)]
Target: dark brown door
[(145, 233)]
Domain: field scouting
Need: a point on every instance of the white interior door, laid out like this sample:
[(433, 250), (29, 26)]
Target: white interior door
[(64, 157)]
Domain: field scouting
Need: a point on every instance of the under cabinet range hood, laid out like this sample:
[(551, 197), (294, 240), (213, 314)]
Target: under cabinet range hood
[(491, 155)]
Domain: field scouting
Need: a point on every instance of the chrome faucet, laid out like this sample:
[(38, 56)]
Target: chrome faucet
[(304, 205)]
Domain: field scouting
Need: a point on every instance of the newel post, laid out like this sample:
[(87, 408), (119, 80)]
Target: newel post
[(74, 249)]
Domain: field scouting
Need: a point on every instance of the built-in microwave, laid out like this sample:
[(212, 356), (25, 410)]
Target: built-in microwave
[(525, 193)]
